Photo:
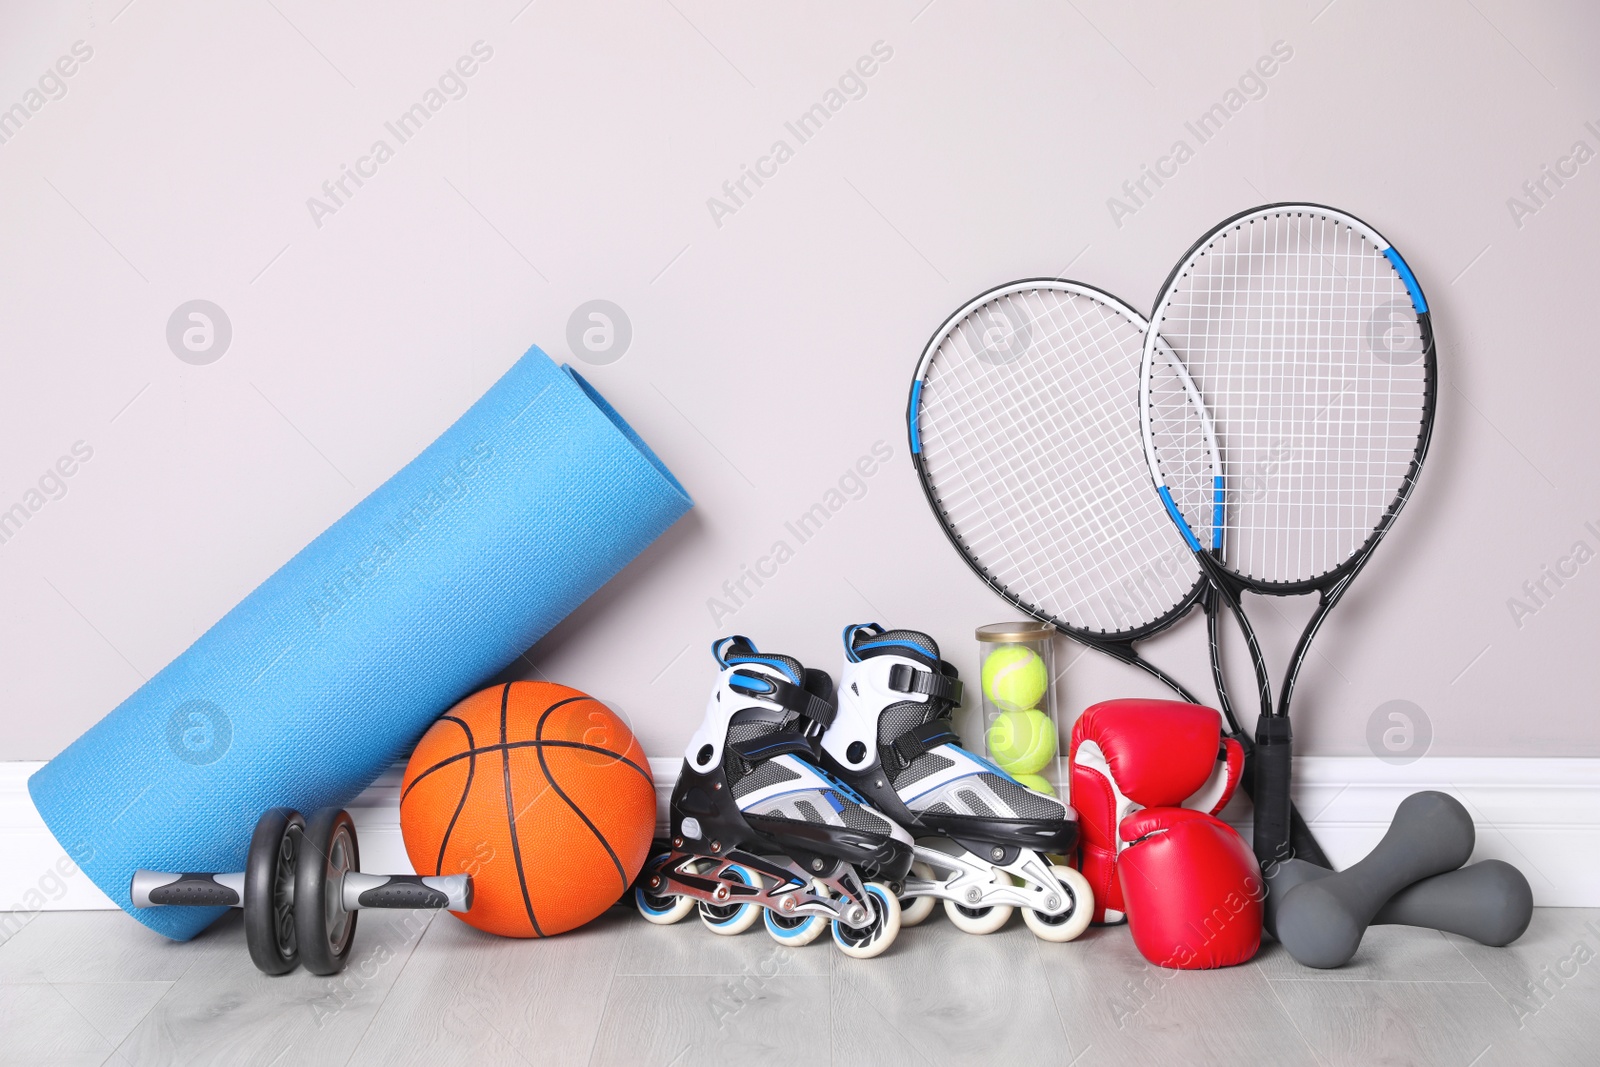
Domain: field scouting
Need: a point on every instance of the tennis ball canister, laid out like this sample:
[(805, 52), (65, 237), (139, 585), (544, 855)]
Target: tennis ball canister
[(1019, 720), (1022, 742), (1014, 677)]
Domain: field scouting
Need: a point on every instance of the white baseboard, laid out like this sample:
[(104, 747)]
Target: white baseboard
[(1542, 815)]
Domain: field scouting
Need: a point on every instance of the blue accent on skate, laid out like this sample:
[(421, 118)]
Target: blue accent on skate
[(333, 667), (912, 416), (780, 743), (718, 649), (1217, 514), (751, 684), (850, 638), (1183, 527), (720, 643), (918, 649), (778, 664), (871, 889), (839, 784), (1418, 301), (742, 876), (641, 899), (984, 763), (836, 787), (800, 933), (976, 759)]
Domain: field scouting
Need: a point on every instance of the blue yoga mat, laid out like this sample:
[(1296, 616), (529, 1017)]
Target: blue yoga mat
[(333, 667)]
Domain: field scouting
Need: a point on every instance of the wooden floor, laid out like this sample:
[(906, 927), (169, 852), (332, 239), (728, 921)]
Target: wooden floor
[(97, 988)]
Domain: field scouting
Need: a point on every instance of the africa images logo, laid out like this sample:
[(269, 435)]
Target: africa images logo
[(199, 732)]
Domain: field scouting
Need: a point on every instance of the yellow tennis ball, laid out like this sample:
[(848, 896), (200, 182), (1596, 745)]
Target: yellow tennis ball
[(1014, 677), (1022, 742), (1036, 783)]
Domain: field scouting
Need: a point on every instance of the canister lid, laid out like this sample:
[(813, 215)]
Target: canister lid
[(1004, 632)]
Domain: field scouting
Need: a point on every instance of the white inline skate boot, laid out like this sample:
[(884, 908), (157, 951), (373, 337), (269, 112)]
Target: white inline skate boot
[(982, 837)]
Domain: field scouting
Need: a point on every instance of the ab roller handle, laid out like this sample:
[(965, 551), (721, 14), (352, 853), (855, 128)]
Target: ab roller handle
[(311, 864)]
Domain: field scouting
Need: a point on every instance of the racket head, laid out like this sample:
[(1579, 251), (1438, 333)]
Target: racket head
[(1024, 432), (1308, 341)]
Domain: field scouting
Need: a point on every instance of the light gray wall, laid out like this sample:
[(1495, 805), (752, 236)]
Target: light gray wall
[(773, 345)]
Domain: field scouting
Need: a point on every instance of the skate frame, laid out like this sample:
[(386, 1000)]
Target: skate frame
[(793, 892), (972, 884)]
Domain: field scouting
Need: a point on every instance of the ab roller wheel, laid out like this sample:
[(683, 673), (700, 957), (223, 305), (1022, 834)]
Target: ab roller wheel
[(300, 891), (269, 870), (322, 924)]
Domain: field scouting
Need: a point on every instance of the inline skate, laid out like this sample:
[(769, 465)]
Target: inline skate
[(981, 837), (758, 829)]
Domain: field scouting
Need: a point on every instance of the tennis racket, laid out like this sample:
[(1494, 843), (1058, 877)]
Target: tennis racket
[(1286, 396), (1024, 430)]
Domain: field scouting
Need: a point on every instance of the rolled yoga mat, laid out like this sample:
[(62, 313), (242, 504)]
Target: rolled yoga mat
[(326, 674)]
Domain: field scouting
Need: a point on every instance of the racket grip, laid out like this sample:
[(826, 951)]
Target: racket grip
[(1274, 746), (1301, 839)]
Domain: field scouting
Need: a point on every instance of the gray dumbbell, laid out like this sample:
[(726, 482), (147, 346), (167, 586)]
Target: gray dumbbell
[(1489, 901), (295, 861), (1321, 917)]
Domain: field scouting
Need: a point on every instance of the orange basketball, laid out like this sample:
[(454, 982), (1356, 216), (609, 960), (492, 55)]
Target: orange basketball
[(542, 794)]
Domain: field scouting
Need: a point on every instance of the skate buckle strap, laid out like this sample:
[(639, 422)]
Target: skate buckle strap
[(804, 703), (924, 738), (786, 695), (904, 678), (775, 744)]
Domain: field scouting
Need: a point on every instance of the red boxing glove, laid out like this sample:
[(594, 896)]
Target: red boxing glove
[(1193, 889), (1133, 754)]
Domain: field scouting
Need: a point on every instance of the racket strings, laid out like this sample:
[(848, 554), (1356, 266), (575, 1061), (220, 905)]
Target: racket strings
[(1303, 342), (1030, 445)]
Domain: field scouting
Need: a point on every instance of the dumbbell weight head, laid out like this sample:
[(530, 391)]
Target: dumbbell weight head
[(324, 927), (1280, 877)]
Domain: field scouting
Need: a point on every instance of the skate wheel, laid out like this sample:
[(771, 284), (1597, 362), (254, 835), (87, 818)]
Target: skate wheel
[(981, 920), (872, 940), (794, 930), (1070, 923), (663, 909), (915, 909), (730, 919)]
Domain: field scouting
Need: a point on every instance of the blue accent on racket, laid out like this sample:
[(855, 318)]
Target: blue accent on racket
[(1418, 301), (1183, 527), (1217, 514), (916, 435)]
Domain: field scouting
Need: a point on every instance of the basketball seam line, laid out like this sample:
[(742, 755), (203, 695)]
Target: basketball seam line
[(511, 813), (466, 790), (619, 757), (538, 732)]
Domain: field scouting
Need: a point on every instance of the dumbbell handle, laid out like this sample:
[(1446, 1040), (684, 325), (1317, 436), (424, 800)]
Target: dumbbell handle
[(155, 888), (453, 892), (152, 888)]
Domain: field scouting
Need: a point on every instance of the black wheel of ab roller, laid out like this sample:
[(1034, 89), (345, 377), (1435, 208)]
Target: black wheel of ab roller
[(327, 854), (269, 874)]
